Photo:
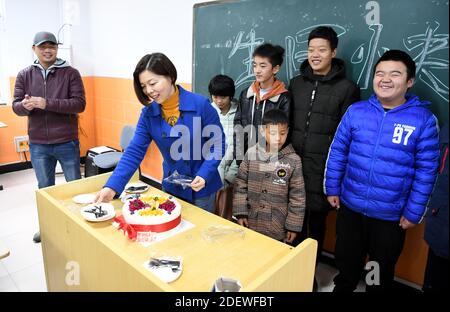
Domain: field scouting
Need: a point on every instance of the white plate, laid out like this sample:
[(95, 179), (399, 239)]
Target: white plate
[(84, 198), (109, 208), (137, 184), (165, 273)]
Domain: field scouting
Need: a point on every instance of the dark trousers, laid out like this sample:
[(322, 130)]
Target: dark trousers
[(436, 273), (314, 226), (359, 236)]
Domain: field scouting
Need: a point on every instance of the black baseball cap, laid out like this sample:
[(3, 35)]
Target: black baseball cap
[(44, 36)]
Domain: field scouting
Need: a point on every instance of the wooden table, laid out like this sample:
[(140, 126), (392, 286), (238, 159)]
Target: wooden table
[(106, 260)]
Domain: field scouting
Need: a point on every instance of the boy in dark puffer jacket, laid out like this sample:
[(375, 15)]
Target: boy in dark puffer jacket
[(320, 96), (380, 172)]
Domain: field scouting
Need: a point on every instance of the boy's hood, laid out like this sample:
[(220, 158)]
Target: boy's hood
[(337, 71), (411, 100)]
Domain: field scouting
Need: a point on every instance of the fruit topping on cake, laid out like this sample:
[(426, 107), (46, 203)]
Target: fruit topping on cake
[(151, 206)]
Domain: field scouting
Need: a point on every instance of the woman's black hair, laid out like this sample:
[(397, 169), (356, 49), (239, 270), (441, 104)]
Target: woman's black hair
[(157, 63)]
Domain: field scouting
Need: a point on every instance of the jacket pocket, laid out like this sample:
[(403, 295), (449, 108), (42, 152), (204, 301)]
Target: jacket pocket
[(260, 219), (253, 219), (278, 218)]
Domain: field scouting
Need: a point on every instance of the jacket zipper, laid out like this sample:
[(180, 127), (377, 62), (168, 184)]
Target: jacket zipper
[(45, 97), (443, 160), (373, 161), (308, 117)]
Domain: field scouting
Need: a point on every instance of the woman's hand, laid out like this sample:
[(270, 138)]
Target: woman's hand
[(105, 195), (198, 183)]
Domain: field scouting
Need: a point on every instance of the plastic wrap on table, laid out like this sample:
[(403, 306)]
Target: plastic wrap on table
[(179, 179), (216, 232)]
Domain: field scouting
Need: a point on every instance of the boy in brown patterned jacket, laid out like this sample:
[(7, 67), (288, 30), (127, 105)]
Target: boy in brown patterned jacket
[(269, 189)]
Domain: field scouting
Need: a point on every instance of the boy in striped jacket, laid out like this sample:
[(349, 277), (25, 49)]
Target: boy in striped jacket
[(269, 189)]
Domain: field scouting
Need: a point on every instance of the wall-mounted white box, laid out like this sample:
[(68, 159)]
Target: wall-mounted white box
[(22, 143)]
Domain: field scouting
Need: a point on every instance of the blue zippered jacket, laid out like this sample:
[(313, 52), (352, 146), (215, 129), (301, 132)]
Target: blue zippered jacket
[(182, 146), (384, 164)]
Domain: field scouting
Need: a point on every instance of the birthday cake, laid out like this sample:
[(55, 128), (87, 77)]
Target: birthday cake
[(150, 213)]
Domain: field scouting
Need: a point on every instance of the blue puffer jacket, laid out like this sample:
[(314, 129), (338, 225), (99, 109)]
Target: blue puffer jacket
[(436, 229), (384, 164), (198, 130)]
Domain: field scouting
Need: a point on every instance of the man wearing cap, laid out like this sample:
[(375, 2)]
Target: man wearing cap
[(51, 94)]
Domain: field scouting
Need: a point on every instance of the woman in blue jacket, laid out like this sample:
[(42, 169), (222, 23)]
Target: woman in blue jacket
[(184, 126)]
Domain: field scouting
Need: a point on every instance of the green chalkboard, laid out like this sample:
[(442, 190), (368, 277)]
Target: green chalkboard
[(227, 32)]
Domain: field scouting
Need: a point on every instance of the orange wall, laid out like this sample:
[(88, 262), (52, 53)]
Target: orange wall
[(110, 104), (86, 130), (116, 105), (16, 126)]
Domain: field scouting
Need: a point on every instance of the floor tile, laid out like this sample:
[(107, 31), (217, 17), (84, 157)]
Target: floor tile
[(31, 278), (23, 252), (324, 276), (23, 218), (3, 271), (23, 270), (18, 178), (7, 284)]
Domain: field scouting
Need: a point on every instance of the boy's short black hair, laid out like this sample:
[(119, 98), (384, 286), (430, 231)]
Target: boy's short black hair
[(399, 56), (327, 33), (274, 53), (221, 85), (275, 117)]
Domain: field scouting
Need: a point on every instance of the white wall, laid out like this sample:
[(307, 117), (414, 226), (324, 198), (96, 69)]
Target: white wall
[(21, 24), (109, 36), (130, 29), (23, 18), (80, 38)]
